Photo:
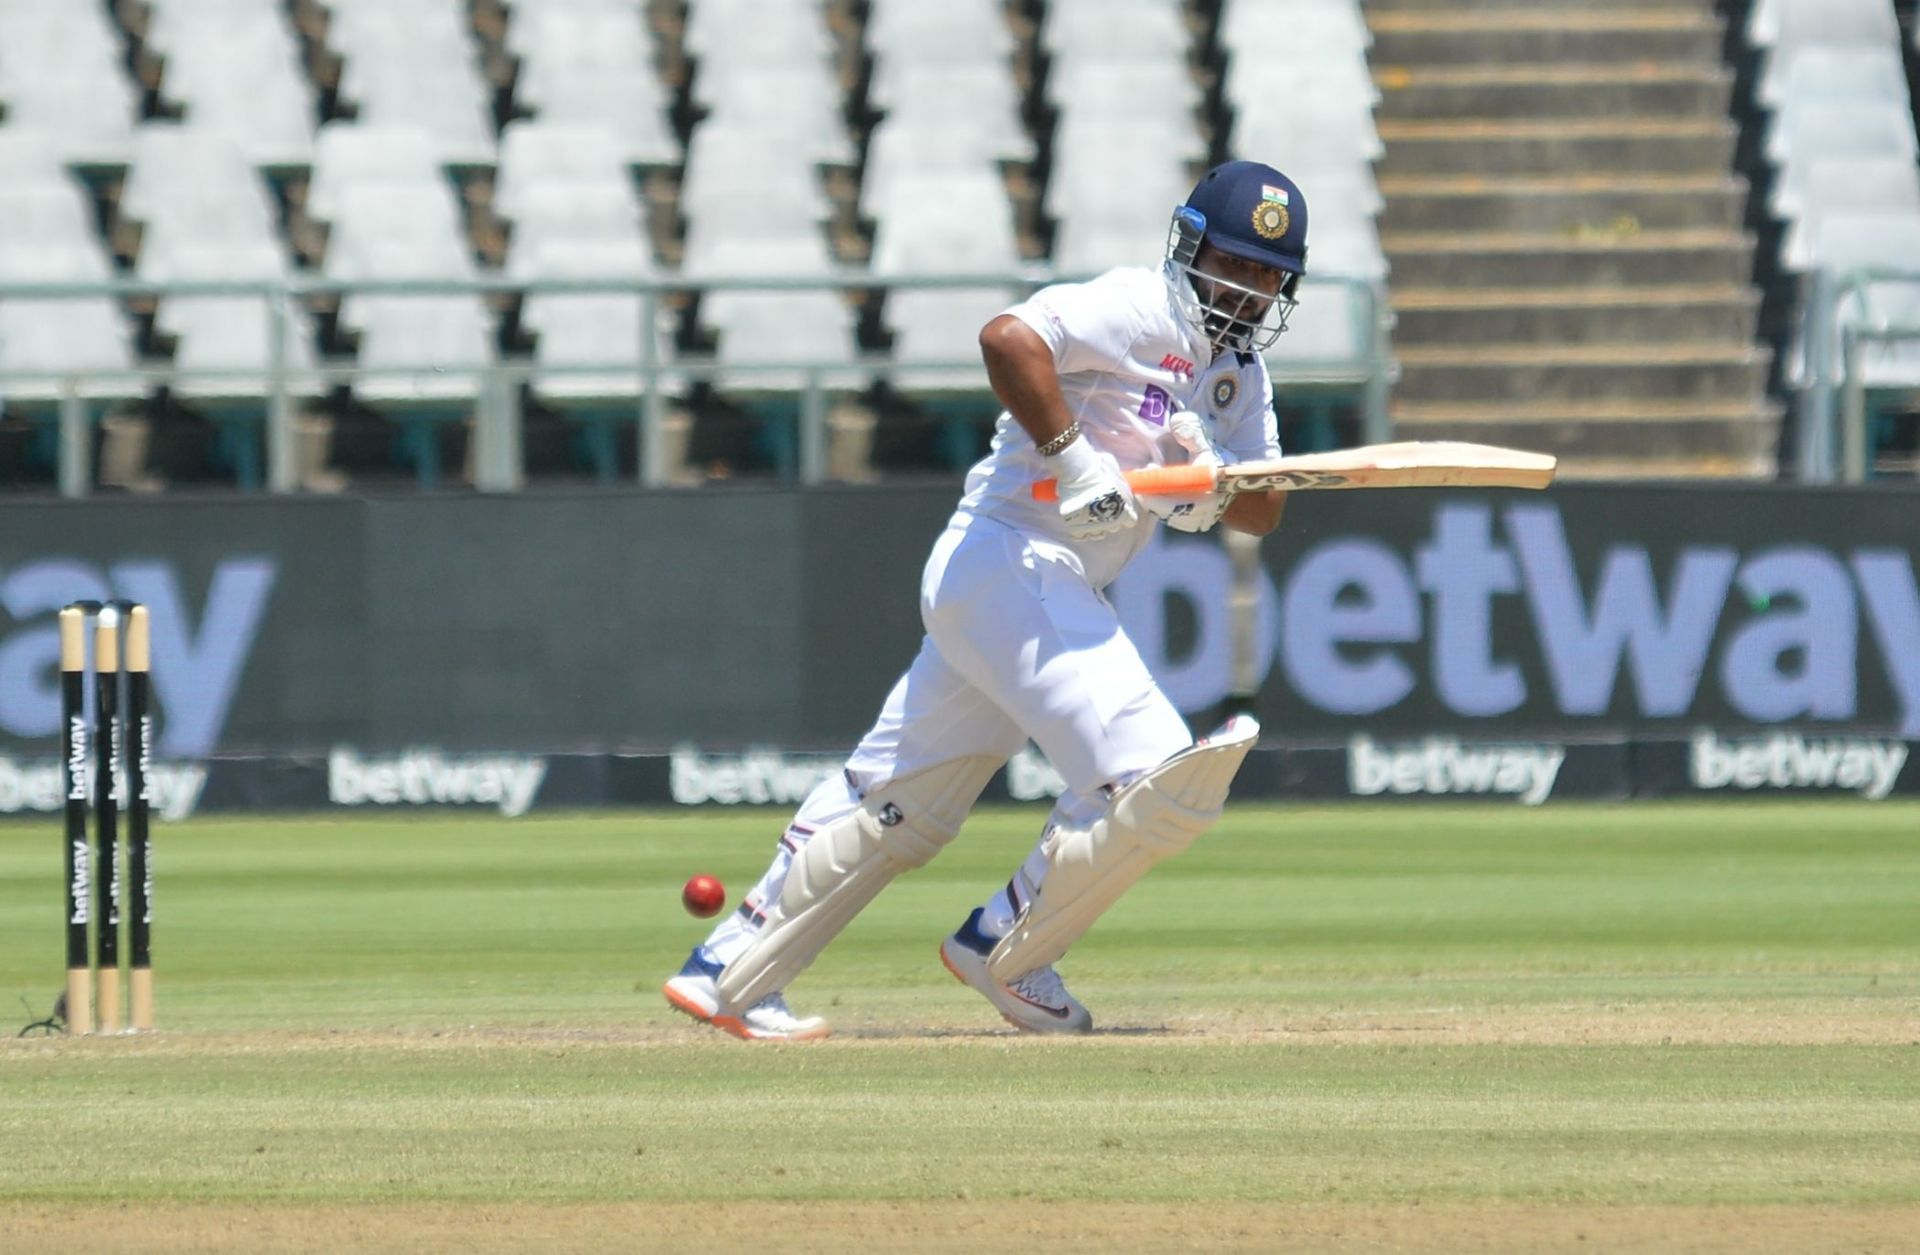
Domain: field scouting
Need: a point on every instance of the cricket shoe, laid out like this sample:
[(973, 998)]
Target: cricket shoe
[(1035, 1002), (695, 991)]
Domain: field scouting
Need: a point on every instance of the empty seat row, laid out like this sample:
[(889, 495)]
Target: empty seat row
[(388, 194), (1846, 167), (1314, 119), (1125, 97)]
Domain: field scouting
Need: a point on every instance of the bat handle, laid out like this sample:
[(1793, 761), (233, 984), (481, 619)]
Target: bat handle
[(1153, 481)]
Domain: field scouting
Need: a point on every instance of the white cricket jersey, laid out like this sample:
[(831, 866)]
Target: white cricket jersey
[(1127, 359)]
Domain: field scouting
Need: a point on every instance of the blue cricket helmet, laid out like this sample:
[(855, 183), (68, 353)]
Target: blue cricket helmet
[(1253, 212)]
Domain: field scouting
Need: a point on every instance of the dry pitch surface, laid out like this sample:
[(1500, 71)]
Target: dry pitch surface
[(1691, 1028)]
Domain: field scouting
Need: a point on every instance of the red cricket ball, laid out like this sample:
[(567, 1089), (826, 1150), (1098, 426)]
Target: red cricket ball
[(704, 896)]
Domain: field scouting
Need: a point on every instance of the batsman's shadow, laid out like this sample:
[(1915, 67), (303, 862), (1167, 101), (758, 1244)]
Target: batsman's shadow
[(883, 1033)]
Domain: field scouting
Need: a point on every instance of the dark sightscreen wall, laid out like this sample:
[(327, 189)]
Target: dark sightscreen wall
[(733, 618)]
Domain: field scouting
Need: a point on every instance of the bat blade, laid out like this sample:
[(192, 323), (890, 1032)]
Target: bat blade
[(1406, 464), (1403, 464)]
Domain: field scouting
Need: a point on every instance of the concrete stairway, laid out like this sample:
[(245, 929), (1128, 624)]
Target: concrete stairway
[(1563, 219)]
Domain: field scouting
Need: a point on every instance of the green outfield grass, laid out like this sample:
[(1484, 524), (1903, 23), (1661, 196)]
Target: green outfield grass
[(1572, 1007)]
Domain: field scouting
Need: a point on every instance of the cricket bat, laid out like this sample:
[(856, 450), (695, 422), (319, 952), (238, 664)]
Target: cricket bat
[(1406, 464)]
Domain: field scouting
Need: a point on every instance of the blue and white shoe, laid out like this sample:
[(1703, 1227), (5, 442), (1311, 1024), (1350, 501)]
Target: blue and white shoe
[(1035, 1002), (695, 991)]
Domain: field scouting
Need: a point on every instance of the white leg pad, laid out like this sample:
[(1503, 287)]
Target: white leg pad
[(1154, 817), (845, 864)]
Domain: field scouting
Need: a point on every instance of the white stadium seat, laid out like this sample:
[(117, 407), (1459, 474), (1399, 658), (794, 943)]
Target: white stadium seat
[(45, 237), (1841, 185), (61, 72), (237, 71), (585, 63), (1123, 88), (1798, 23), (942, 327), (171, 162), (953, 32), (900, 150), (583, 212), (537, 155), (781, 329), (716, 250), (1850, 241), (409, 230), (754, 28), (1830, 74), (945, 221), (1114, 28), (1842, 130), (348, 155), (590, 329), (730, 165)]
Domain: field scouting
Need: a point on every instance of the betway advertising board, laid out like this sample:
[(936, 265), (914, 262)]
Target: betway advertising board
[(1647, 611), (725, 647)]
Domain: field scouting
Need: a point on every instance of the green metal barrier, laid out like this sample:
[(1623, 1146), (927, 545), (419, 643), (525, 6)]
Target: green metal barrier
[(798, 440)]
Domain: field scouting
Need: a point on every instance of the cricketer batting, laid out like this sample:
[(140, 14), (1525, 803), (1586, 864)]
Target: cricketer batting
[(1137, 368)]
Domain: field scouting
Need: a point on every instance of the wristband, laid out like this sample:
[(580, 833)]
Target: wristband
[(1078, 462), (1068, 434)]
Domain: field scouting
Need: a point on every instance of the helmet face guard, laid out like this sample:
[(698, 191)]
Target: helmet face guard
[(1233, 315)]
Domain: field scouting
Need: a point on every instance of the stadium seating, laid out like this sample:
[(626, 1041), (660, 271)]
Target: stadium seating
[(961, 32), (1314, 120), (1848, 184), (1125, 96), (1846, 181), (946, 222), (570, 155), (592, 63), (576, 331), (413, 63), (700, 147), (234, 67), (1868, 239), (204, 214), (46, 237), (61, 75)]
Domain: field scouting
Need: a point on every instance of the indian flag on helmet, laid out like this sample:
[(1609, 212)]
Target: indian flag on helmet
[(1271, 217)]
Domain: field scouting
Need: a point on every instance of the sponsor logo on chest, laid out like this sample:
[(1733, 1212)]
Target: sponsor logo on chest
[(1155, 405)]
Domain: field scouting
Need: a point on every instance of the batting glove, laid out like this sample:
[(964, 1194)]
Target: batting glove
[(1188, 514), (1195, 434), (1094, 498)]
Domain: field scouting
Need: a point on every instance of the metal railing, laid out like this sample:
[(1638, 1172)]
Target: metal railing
[(1834, 444), (496, 391)]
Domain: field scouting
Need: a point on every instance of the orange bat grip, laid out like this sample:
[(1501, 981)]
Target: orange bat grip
[(1155, 481)]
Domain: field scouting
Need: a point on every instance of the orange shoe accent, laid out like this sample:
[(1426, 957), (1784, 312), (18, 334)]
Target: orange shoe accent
[(812, 1034), (732, 1024), (685, 1006), (948, 964)]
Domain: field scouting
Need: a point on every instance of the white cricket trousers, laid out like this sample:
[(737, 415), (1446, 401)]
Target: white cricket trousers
[(1018, 646)]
